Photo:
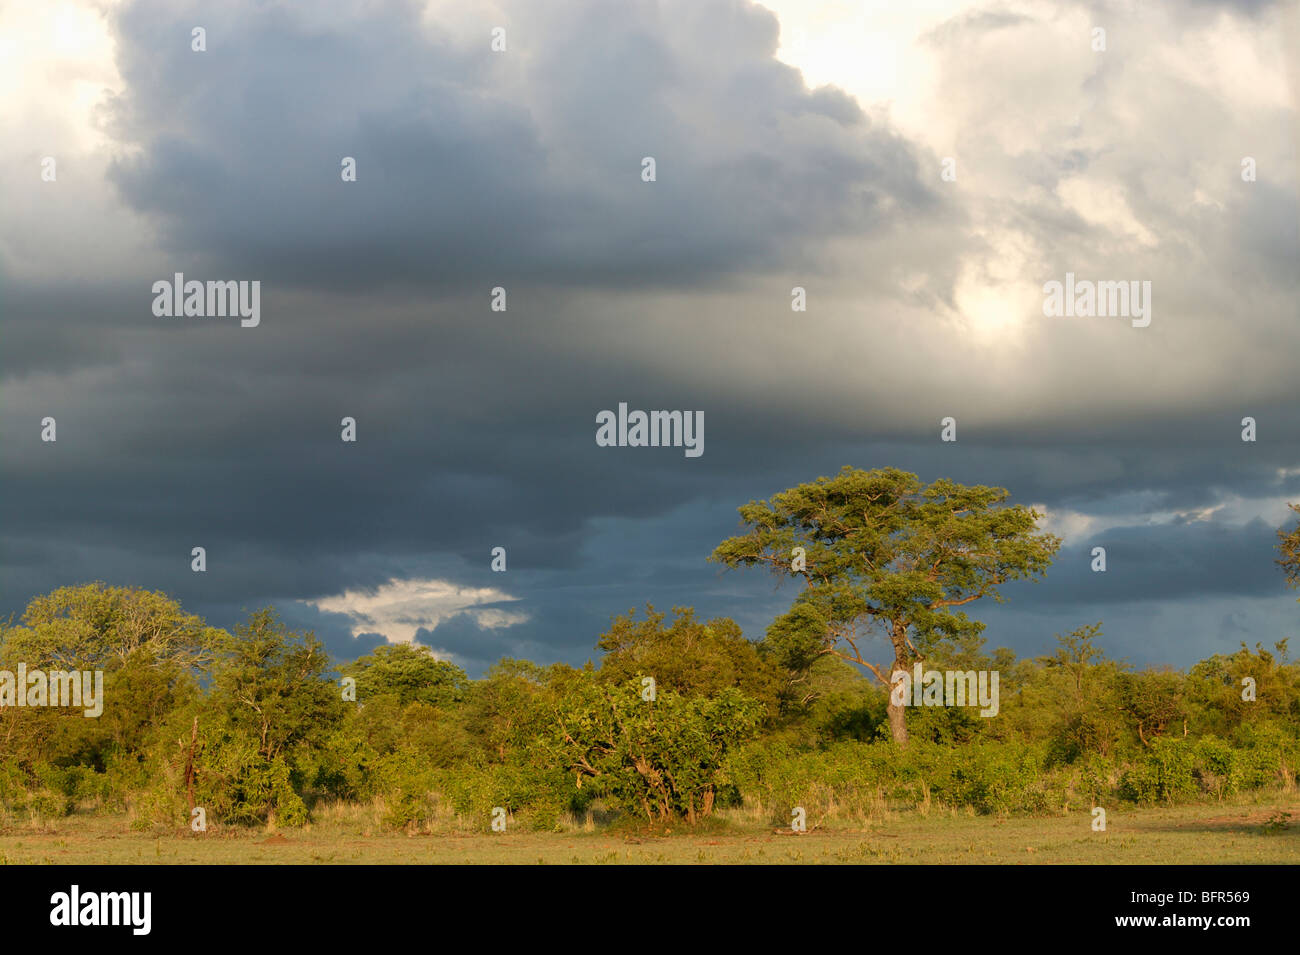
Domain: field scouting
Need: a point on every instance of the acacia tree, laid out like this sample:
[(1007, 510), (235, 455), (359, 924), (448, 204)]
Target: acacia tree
[(883, 552)]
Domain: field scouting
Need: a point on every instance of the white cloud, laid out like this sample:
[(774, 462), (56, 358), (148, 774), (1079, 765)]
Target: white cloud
[(1233, 510), (401, 607)]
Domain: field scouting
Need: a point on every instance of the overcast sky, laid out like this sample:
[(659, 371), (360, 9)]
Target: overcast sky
[(796, 143)]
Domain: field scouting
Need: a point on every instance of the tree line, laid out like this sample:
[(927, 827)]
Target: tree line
[(680, 717)]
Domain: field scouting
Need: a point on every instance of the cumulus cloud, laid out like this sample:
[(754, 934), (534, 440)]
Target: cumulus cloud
[(399, 609)]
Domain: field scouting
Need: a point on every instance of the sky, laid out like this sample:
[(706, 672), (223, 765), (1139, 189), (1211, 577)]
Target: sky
[(921, 170)]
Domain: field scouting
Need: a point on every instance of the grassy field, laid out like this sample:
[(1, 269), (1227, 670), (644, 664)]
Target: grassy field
[(1223, 833)]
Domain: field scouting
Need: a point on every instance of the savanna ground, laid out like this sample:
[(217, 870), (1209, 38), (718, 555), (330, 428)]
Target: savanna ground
[(1263, 831)]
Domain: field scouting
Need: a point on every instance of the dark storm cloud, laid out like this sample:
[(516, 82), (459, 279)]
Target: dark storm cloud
[(475, 166), (1149, 633), (475, 428), (477, 648), (1165, 562)]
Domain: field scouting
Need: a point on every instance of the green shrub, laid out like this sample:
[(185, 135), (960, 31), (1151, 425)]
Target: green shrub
[(1161, 774), (1218, 766)]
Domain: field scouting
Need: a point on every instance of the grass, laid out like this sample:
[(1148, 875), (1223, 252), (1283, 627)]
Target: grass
[(1260, 831)]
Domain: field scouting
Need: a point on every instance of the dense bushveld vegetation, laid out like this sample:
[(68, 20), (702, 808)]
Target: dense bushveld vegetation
[(252, 726), (255, 726)]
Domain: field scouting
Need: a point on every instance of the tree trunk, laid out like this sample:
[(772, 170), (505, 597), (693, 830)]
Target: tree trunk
[(189, 765), (897, 723), (902, 661)]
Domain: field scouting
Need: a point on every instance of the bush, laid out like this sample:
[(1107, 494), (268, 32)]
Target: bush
[(237, 785), (1162, 774), (997, 779), (1218, 767)]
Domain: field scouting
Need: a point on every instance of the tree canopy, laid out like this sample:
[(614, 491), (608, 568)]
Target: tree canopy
[(882, 552)]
